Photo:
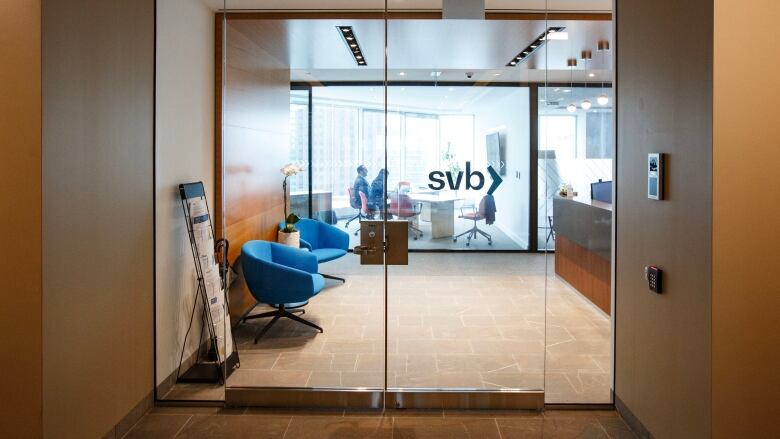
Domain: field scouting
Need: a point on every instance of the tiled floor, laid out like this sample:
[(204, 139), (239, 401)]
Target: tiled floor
[(474, 321), (214, 423)]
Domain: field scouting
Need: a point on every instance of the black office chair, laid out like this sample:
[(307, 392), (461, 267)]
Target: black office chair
[(475, 215)]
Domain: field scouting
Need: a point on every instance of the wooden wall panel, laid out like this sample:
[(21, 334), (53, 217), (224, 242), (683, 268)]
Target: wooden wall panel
[(586, 271), (20, 204), (745, 284), (255, 143), (98, 223), (664, 104)]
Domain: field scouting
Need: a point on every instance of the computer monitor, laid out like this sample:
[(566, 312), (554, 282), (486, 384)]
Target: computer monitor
[(601, 191)]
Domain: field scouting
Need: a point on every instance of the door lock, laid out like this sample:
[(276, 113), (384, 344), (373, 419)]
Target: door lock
[(364, 250)]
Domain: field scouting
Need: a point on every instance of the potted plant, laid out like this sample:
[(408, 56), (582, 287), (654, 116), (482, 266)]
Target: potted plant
[(289, 235)]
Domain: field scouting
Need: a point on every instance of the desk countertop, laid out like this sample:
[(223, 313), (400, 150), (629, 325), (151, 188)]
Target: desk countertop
[(587, 223)]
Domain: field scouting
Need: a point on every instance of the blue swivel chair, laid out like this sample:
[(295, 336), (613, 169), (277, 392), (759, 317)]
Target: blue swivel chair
[(282, 277), (326, 242)]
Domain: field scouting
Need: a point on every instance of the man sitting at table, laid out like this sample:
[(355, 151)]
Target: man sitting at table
[(360, 185)]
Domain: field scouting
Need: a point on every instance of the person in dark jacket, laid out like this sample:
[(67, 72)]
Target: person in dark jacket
[(377, 196), (360, 185), (490, 209)]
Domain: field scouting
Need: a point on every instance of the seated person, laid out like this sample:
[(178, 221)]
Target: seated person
[(376, 198), (360, 185)]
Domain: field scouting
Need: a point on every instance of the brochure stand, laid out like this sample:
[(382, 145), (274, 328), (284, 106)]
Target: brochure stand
[(213, 281)]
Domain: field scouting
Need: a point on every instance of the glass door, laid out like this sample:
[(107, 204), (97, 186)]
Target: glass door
[(432, 140), (308, 319), (466, 316)]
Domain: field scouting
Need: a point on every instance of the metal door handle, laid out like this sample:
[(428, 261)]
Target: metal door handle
[(364, 250)]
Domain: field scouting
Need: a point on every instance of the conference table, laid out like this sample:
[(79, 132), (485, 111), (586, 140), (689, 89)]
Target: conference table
[(439, 209)]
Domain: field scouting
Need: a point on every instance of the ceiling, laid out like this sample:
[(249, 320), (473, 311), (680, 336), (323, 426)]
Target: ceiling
[(456, 99), (495, 5), (315, 51)]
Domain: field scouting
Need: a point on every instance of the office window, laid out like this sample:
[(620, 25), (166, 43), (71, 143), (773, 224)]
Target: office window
[(299, 137), (334, 149), (420, 148)]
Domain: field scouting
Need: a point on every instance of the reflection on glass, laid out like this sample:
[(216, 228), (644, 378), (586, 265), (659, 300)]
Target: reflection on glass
[(575, 149)]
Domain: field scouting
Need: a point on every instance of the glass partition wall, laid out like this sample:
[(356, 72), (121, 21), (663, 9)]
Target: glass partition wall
[(460, 129)]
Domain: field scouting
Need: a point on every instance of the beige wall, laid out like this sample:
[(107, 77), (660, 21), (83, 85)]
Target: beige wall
[(664, 104), (746, 217), (98, 79), (20, 202), (184, 153)]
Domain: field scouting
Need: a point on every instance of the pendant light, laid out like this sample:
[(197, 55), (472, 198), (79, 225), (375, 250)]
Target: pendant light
[(586, 56), (602, 47), (571, 62)]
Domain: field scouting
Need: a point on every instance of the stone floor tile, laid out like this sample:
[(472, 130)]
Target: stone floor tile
[(158, 425)]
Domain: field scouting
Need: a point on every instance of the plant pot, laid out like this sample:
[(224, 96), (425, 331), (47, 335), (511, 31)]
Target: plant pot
[(292, 239)]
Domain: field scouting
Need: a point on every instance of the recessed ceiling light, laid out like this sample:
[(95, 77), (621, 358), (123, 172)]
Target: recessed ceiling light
[(496, 74), (558, 36), (352, 44), (591, 75), (536, 44), (402, 74)]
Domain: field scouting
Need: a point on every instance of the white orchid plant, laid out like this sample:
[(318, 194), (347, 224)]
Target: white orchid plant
[(290, 219)]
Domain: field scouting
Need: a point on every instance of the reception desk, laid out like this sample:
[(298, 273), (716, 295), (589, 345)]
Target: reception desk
[(583, 247)]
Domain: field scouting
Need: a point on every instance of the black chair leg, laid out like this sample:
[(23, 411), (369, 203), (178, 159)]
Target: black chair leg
[(305, 322), (277, 314), (260, 316), (358, 217), (327, 276), (267, 327)]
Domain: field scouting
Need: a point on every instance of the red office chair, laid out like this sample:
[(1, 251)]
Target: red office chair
[(364, 209), (474, 215), (352, 203), (402, 207)]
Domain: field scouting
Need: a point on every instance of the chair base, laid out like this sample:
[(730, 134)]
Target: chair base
[(358, 217), (277, 314), (472, 233), (327, 276)]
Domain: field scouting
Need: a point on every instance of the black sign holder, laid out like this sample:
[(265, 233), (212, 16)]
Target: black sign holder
[(213, 368)]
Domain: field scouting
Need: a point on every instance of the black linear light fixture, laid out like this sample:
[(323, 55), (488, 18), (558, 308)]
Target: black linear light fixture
[(348, 35), (534, 46)]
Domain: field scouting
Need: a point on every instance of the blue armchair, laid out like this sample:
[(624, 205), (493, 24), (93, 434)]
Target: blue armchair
[(282, 277), (324, 241)]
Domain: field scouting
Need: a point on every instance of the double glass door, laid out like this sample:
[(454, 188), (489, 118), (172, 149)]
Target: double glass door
[(414, 135), (427, 150)]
